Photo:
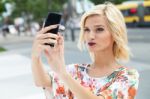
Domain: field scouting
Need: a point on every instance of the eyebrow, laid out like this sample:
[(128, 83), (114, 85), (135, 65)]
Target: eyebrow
[(95, 26), (98, 25)]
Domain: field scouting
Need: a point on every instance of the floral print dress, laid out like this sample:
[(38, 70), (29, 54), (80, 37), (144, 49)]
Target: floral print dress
[(121, 84)]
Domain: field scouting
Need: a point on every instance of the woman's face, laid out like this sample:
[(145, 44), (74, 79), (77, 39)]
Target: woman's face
[(96, 34)]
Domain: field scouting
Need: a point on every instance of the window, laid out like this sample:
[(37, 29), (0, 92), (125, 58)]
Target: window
[(147, 10)]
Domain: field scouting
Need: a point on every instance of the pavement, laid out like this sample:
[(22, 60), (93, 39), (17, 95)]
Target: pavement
[(16, 67)]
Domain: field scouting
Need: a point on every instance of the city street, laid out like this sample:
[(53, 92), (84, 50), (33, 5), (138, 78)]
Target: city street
[(16, 80)]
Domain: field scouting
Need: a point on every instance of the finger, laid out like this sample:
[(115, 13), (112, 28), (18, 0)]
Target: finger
[(40, 31), (47, 35), (45, 47), (59, 45), (49, 41), (47, 51), (60, 40), (45, 29), (60, 34), (48, 56)]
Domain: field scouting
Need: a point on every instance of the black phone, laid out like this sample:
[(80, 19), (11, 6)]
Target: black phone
[(52, 19)]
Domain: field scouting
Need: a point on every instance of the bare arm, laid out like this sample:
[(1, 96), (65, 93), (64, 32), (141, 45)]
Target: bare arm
[(41, 78), (124, 86), (79, 91), (56, 62)]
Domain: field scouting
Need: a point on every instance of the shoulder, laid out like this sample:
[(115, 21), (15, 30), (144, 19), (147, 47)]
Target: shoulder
[(72, 69), (125, 83), (125, 78), (76, 67), (76, 70), (130, 73), (129, 76)]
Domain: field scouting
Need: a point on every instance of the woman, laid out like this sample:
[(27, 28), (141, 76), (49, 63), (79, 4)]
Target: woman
[(103, 32)]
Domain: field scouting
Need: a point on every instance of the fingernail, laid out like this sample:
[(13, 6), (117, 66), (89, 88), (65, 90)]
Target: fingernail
[(61, 27)]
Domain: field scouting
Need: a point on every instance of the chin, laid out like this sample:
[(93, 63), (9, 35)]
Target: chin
[(92, 49), (95, 50)]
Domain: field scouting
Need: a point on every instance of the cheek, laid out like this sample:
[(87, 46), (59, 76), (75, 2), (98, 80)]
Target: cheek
[(106, 39), (84, 37)]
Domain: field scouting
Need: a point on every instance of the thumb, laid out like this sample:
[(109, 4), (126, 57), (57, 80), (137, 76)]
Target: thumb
[(47, 52)]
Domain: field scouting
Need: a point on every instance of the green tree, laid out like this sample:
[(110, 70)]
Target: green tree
[(57, 5), (2, 8), (38, 8)]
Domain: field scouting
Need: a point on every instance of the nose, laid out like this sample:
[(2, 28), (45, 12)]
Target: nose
[(92, 35)]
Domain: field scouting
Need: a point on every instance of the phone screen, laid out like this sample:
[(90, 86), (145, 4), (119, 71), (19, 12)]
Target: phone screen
[(53, 18)]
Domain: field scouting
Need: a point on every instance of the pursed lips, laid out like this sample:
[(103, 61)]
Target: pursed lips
[(91, 43)]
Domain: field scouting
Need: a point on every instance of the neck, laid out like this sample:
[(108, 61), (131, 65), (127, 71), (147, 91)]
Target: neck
[(104, 59)]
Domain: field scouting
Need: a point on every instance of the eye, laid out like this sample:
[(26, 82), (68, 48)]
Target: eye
[(99, 29), (86, 30)]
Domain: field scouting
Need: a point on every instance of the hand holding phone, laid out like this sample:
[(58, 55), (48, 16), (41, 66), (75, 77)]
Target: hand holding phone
[(52, 19)]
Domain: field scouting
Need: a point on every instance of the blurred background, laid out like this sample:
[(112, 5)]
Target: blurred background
[(21, 19)]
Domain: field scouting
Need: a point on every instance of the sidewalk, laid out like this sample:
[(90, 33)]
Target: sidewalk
[(15, 39), (16, 77), (15, 67)]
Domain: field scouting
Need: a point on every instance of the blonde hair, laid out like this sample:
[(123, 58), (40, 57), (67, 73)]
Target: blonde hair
[(116, 25)]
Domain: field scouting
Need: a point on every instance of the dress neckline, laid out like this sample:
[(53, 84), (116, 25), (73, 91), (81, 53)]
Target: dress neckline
[(120, 68)]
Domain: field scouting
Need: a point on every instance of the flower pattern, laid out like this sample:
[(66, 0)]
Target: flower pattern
[(121, 84)]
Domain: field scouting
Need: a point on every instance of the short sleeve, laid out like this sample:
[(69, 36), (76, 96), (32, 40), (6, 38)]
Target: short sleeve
[(72, 69), (58, 87), (124, 87), (48, 90)]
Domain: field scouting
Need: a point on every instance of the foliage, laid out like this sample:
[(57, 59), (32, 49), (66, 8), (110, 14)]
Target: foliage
[(57, 5), (40, 8), (2, 49), (2, 8), (37, 8)]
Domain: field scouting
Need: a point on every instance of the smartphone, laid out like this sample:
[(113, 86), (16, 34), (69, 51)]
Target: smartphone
[(52, 19)]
